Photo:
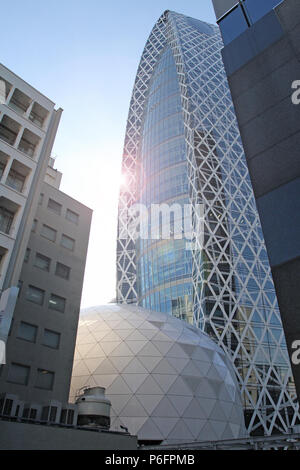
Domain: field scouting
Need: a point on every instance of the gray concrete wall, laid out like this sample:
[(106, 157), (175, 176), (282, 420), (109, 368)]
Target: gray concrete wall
[(21, 436), (35, 354)]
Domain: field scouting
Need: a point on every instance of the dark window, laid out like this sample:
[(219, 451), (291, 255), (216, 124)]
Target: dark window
[(6, 220), (70, 417), (20, 285), (27, 332), (53, 413), (27, 254), (42, 262), (57, 303), (62, 271), (41, 198), (33, 413), (2, 168), (51, 339), (18, 374), (8, 404), (35, 295), (34, 225), (45, 379)]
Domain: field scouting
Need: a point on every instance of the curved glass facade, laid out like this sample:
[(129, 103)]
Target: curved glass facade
[(183, 146), (164, 266)]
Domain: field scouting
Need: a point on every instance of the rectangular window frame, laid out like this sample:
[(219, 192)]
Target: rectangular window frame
[(41, 257), (52, 304), (22, 337), (37, 289)]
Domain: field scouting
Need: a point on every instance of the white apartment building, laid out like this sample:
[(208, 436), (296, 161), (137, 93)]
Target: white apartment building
[(28, 125)]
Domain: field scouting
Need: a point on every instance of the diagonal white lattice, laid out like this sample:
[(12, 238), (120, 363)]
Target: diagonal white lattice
[(233, 292)]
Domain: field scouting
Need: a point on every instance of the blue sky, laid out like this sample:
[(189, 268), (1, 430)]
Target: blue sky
[(83, 55)]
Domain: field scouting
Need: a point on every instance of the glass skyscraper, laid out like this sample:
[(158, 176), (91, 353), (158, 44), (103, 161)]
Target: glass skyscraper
[(183, 147)]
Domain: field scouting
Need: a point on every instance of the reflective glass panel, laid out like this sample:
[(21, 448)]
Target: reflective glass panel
[(233, 25), (256, 9)]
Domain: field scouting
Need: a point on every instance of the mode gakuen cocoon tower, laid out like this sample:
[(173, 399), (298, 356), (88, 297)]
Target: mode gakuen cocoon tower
[(183, 147)]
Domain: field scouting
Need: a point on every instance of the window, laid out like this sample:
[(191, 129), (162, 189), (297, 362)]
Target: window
[(256, 9), (62, 271), (5, 88), (57, 303), (45, 379), (7, 409), (48, 233), (27, 255), (67, 242), (9, 130), (20, 285), (18, 374), (2, 168), (42, 262), (27, 332), (15, 180), (67, 416), (29, 143), (38, 115), (41, 198), (72, 216), (19, 101), (233, 25), (6, 220), (54, 206), (35, 295), (51, 339), (2, 254), (30, 413)]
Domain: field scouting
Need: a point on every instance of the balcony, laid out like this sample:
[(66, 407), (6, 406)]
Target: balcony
[(38, 115), (5, 88), (17, 176), (9, 130), (3, 252), (3, 161), (29, 143), (19, 102), (8, 210)]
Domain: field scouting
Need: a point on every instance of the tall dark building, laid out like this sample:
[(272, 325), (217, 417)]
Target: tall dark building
[(261, 58)]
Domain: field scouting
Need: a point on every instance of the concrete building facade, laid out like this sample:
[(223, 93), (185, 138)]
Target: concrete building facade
[(28, 125), (261, 58), (41, 343)]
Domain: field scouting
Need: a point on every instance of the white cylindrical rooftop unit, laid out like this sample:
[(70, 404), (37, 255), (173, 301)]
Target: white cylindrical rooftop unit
[(93, 408)]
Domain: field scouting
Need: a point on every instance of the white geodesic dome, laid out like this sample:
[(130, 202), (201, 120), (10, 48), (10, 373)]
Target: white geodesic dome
[(167, 380)]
